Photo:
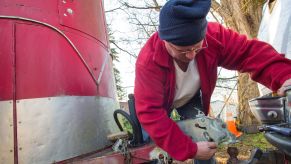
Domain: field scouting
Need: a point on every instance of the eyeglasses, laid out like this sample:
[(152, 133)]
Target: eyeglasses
[(197, 50)]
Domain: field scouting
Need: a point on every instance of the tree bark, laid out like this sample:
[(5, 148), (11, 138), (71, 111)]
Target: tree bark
[(243, 16)]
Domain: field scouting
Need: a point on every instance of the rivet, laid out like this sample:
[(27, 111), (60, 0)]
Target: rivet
[(20, 148), (11, 151), (70, 11), (17, 101)]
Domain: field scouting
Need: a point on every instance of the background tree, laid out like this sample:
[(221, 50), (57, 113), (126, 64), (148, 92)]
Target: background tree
[(243, 16), (121, 94)]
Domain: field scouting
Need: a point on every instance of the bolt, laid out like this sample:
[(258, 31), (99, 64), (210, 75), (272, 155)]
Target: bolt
[(161, 156), (70, 11)]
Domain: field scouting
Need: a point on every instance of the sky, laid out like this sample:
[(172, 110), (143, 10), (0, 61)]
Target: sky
[(121, 27)]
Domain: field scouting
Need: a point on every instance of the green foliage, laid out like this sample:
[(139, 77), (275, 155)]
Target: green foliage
[(125, 124), (251, 141), (256, 140), (175, 116), (121, 94)]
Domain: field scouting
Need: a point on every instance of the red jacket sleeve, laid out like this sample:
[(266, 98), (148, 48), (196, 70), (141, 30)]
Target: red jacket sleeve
[(261, 60), (149, 102)]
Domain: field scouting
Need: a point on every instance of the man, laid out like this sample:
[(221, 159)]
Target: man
[(180, 61)]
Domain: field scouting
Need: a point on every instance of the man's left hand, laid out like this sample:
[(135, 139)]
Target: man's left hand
[(283, 87)]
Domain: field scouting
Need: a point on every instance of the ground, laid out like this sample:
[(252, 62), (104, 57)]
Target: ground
[(246, 144)]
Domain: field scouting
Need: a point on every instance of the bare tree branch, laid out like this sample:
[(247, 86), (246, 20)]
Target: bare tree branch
[(228, 78), (225, 87), (113, 10), (143, 27), (157, 8), (219, 9), (131, 54)]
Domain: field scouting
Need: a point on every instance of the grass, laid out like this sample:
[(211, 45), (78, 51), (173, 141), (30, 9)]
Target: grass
[(251, 141), (247, 143)]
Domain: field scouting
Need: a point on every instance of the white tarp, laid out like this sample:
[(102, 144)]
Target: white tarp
[(275, 28)]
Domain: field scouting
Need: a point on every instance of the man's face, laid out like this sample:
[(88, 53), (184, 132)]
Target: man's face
[(184, 53)]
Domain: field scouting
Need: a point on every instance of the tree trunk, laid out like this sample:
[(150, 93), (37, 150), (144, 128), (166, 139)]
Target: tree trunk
[(243, 16), (247, 89)]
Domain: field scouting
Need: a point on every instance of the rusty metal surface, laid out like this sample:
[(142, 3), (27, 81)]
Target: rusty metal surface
[(138, 155)]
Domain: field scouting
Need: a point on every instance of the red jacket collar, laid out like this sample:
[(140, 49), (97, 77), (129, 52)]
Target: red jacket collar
[(161, 55)]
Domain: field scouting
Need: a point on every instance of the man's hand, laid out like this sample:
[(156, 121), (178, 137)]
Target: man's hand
[(282, 89), (205, 150)]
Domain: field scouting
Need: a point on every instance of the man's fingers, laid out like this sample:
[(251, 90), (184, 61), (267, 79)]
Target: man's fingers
[(212, 145), (282, 90), (286, 84)]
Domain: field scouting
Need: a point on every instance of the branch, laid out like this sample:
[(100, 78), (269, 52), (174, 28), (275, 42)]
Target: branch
[(142, 25), (219, 9), (215, 17), (218, 116), (112, 10), (228, 78), (153, 24), (157, 5), (219, 86), (133, 55), (157, 8)]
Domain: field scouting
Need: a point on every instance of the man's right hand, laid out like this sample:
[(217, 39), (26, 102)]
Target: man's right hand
[(205, 150)]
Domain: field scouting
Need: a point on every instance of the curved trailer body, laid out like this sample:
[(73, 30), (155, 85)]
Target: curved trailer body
[(57, 90)]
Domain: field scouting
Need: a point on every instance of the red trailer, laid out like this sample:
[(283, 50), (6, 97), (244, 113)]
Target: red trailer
[(57, 90)]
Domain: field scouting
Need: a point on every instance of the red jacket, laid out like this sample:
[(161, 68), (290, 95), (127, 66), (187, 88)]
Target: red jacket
[(155, 80)]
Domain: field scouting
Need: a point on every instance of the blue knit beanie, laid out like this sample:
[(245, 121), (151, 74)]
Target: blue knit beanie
[(183, 22)]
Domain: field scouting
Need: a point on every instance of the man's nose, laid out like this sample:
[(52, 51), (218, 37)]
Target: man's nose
[(191, 55)]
